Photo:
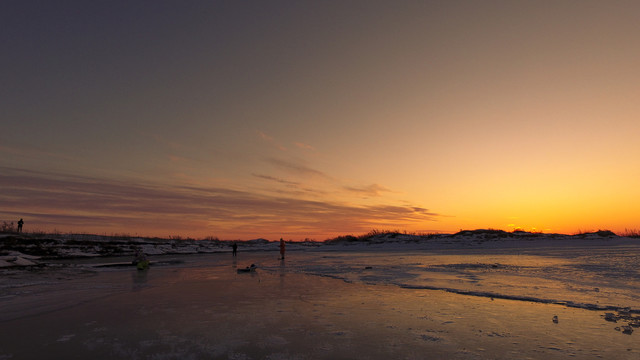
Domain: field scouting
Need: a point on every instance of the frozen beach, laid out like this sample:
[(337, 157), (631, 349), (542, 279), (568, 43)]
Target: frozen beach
[(498, 299)]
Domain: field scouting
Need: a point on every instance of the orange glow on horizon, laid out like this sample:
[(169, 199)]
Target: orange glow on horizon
[(426, 117)]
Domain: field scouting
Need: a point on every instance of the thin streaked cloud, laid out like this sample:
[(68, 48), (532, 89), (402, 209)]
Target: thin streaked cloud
[(271, 141), (101, 205), (275, 179), (304, 146), (372, 190), (296, 168)]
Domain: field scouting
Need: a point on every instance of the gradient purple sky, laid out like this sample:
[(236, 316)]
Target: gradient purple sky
[(310, 119)]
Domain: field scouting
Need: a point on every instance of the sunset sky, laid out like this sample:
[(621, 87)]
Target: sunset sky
[(311, 119)]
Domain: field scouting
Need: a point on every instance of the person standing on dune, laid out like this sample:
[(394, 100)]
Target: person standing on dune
[(282, 249)]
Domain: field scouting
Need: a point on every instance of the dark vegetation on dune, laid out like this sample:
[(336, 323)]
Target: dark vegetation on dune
[(59, 247), (486, 234), (83, 245)]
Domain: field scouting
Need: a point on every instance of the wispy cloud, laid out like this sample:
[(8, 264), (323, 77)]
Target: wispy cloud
[(296, 168), (111, 206), (292, 188), (372, 190), (304, 146), (271, 141), (278, 180)]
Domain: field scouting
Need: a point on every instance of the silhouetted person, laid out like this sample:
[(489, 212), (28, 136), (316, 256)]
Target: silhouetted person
[(234, 247), (20, 223), (282, 249)]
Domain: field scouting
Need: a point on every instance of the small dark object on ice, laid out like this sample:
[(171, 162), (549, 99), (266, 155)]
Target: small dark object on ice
[(142, 265), (251, 268), (610, 317), (140, 260), (368, 267), (555, 319)]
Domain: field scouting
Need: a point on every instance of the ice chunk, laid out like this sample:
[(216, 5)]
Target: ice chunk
[(20, 261)]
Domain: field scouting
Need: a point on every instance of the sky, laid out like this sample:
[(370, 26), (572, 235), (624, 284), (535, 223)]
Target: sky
[(313, 119)]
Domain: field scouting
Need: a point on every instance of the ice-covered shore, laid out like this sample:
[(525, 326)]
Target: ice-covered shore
[(473, 295), (27, 249), (597, 271)]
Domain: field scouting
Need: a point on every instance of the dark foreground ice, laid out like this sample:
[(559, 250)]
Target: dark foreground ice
[(529, 304)]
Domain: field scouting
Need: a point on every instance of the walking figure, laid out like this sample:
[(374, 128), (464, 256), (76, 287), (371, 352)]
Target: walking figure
[(282, 249), (20, 223), (234, 247)]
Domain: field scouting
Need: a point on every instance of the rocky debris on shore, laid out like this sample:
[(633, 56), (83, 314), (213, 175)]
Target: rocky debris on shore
[(632, 321)]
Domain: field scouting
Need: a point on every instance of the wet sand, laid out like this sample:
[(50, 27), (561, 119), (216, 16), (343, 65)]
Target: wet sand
[(215, 313)]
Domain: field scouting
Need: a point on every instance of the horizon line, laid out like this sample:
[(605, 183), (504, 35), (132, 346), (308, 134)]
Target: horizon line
[(631, 233)]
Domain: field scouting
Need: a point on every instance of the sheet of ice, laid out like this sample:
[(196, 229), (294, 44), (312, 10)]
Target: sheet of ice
[(589, 277), (326, 304)]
